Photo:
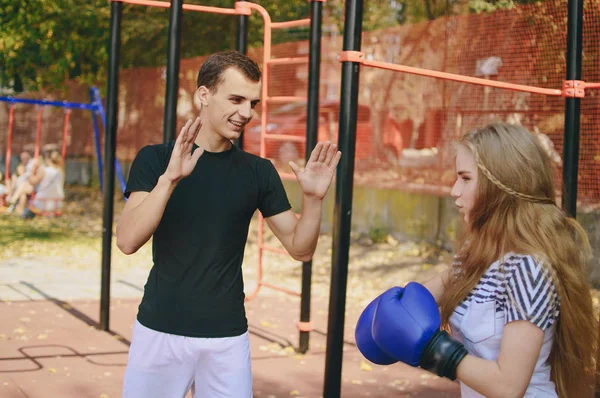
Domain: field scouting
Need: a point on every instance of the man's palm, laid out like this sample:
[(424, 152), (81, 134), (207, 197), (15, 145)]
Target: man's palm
[(182, 160), (316, 177)]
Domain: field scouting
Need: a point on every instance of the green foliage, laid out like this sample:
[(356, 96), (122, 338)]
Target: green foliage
[(493, 5), (46, 43), (378, 234)]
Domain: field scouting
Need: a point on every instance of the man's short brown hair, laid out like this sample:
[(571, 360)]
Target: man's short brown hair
[(211, 71)]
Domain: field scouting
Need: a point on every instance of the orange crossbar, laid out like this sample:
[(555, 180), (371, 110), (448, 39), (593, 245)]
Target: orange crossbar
[(282, 289), (354, 56), (287, 176), (290, 24), (283, 99), (288, 61), (285, 137), (190, 7)]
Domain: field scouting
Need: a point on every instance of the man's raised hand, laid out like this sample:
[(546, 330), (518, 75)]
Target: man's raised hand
[(183, 160), (319, 171)]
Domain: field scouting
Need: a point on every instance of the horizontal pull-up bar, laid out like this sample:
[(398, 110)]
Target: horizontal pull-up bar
[(290, 24), (570, 88), (62, 104), (240, 8)]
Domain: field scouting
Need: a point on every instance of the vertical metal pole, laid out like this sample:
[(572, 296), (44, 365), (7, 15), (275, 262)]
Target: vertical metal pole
[(110, 145), (312, 128), (170, 120), (343, 202), (572, 113), (241, 44)]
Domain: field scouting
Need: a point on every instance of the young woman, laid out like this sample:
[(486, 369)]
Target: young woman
[(516, 300)]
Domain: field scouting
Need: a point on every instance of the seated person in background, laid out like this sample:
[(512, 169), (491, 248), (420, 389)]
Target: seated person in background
[(3, 190), (16, 179), (48, 180), (23, 171), (50, 191)]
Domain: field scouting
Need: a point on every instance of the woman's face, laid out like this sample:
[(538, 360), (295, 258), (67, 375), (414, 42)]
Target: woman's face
[(465, 188)]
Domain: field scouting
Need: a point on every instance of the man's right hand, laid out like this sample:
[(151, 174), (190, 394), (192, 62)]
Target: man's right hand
[(183, 160)]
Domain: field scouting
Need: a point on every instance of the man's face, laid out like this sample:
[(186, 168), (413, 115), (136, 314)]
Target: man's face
[(231, 106), (25, 156)]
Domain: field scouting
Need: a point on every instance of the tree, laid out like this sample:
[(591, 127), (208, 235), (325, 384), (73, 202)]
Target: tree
[(45, 44)]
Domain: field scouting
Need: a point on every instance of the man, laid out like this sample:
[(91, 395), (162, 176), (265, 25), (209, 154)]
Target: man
[(196, 198)]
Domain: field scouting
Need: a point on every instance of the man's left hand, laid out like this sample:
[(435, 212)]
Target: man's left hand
[(316, 177)]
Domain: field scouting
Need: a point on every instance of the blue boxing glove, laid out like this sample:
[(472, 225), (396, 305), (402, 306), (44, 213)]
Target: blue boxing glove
[(364, 337), (406, 326)]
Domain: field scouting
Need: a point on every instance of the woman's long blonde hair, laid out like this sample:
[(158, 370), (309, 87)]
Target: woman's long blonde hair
[(515, 210)]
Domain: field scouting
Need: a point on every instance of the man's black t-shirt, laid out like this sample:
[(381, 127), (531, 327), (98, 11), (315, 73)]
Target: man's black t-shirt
[(195, 286)]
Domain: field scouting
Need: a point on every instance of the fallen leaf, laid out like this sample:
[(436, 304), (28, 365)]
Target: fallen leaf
[(365, 366)]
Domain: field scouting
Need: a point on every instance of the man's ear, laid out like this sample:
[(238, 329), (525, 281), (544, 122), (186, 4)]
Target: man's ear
[(201, 95)]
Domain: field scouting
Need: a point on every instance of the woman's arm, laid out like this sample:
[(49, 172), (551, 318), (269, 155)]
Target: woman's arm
[(437, 284), (510, 374)]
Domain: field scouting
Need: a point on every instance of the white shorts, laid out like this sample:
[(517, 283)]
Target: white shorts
[(164, 365)]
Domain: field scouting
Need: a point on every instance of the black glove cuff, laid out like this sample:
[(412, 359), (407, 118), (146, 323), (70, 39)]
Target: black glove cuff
[(442, 355)]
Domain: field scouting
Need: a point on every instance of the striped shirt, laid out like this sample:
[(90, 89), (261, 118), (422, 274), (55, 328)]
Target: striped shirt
[(517, 288), (521, 287)]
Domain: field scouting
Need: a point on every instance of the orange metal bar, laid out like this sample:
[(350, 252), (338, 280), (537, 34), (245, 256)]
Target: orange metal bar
[(290, 24), (284, 99), (190, 7), (65, 133), (274, 249), (267, 61), (38, 133), (288, 61), (283, 289), (305, 326), (463, 79), (263, 123), (285, 137), (354, 56), (11, 119), (287, 176)]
